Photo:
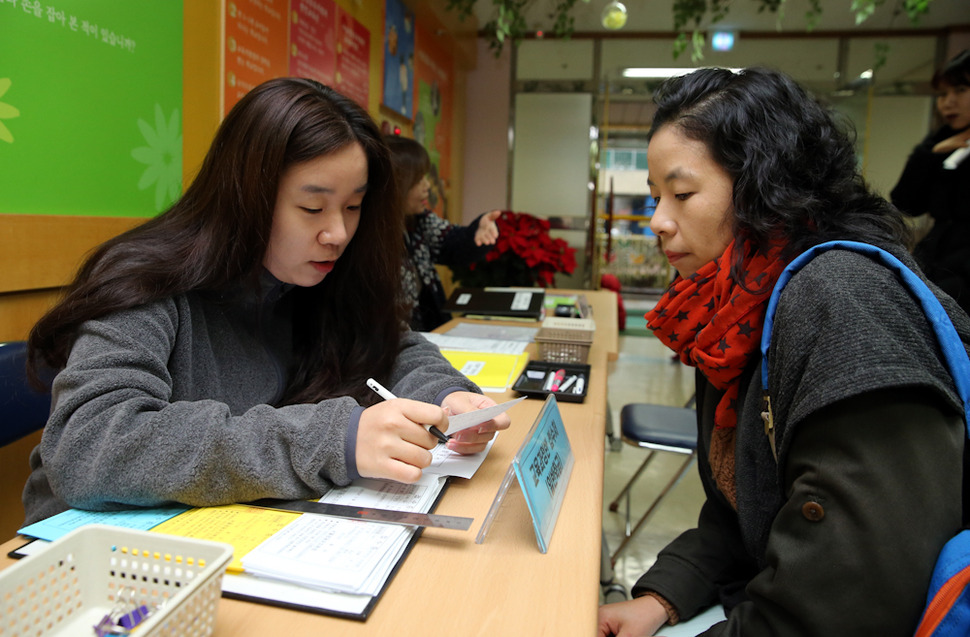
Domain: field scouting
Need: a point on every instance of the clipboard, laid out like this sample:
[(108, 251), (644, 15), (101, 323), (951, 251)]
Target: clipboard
[(302, 598)]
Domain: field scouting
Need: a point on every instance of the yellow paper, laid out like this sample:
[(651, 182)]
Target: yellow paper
[(491, 372), (241, 526)]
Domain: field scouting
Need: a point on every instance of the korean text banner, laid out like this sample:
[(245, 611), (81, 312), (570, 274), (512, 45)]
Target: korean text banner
[(90, 106)]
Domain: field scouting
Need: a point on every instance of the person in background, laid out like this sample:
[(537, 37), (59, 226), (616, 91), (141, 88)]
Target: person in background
[(838, 534), (430, 239), (936, 180), (218, 353)]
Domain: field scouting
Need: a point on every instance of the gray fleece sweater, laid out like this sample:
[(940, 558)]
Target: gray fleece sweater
[(172, 402)]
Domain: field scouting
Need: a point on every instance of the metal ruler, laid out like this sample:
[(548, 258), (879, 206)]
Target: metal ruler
[(386, 516)]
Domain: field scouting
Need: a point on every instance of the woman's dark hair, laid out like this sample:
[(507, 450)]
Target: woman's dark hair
[(793, 164), (956, 72), (410, 160), (215, 236), (411, 163)]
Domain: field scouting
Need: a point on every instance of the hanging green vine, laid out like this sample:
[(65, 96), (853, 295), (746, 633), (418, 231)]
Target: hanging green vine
[(508, 23), (691, 18)]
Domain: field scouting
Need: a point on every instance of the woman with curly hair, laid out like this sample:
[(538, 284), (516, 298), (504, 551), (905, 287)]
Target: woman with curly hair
[(832, 525), (219, 352)]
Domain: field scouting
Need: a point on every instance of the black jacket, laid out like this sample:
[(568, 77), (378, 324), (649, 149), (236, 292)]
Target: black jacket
[(926, 187), (838, 537)]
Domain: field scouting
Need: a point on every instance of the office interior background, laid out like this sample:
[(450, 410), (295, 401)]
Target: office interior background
[(549, 127)]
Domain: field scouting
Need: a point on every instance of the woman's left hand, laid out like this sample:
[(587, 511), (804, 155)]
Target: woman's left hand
[(473, 439), (487, 233)]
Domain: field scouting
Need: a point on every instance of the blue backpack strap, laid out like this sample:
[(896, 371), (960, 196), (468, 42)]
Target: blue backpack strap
[(952, 347)]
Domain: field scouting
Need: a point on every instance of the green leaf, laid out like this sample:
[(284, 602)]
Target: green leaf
[(698, 40)]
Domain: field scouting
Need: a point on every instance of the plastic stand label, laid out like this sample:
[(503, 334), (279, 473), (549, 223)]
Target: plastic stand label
[(542, 466)]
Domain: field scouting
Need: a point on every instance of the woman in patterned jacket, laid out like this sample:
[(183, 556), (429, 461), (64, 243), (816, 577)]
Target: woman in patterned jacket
[(430, 239)]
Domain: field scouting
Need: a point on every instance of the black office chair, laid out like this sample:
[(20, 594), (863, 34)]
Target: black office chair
[(23, 409), (657, 428)]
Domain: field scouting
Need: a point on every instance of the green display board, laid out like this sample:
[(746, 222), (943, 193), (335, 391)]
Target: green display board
[(90, 106)]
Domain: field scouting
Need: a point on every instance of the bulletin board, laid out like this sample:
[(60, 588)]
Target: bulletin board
[(90, 106), (316, 39)]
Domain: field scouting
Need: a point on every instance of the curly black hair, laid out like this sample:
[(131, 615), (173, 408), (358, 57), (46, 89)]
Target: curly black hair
[(792, 159)]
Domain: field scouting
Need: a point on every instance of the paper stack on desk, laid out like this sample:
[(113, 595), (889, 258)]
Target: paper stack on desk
[(345, 556)]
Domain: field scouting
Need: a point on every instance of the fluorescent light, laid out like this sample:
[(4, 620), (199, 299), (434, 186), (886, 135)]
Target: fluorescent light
[(722, 40), (659, 72)]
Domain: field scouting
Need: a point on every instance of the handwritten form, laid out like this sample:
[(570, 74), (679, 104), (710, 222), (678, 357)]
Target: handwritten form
[(345, 556)]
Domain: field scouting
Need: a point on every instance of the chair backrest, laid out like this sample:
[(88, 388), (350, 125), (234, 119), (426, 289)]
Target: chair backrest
[(23, 409)]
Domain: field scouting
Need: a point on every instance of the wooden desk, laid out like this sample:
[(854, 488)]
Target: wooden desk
[(449, 585)]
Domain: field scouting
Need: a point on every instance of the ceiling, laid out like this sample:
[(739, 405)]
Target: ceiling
[(828, 60), (657, 15)]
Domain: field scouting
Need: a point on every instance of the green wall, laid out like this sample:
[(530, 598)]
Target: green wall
[(90, 107)]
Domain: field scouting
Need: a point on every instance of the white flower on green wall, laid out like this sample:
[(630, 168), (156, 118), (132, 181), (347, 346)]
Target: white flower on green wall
[(6, 112), (162, 156)]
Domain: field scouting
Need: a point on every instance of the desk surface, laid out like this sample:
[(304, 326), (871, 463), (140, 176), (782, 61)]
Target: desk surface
[(449, 585)]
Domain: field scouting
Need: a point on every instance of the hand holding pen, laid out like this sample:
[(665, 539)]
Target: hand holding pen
[(387, 395), (392, 441)]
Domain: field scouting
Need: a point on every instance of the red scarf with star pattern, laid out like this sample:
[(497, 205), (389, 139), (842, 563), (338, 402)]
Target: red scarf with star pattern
[(714, 324)]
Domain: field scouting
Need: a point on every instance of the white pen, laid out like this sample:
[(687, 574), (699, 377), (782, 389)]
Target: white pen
[(580, 384), (386, 395), (568, 383)]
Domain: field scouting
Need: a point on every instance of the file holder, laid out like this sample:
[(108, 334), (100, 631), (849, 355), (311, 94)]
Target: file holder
[(542, 466)]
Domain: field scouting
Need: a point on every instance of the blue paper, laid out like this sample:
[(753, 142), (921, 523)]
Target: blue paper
[(63, 523)]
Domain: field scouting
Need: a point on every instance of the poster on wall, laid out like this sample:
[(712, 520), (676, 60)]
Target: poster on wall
[(433, 78), (313, 40), (90, 107), (353, 59), (398, 58), (255, 43)]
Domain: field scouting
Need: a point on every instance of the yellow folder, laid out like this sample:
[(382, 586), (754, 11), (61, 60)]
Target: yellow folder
[(491, 372)]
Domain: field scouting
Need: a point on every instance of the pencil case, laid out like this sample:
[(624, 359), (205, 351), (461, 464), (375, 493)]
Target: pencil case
[(534, 381)]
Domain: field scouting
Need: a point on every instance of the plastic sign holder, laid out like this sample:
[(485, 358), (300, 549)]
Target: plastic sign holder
[(542, 466)]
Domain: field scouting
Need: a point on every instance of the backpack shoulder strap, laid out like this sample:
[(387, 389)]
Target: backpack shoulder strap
[(954, 353)]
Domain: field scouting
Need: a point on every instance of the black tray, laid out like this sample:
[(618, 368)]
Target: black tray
[(533, 380)]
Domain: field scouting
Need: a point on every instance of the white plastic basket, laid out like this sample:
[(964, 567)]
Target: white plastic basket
[(72, 584)]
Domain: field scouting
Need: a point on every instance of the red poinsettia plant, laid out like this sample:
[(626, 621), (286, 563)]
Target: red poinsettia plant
[(524, 255)]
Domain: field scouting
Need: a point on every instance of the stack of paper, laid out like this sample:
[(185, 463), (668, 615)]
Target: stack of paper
[(459, 343), (345, 556)]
